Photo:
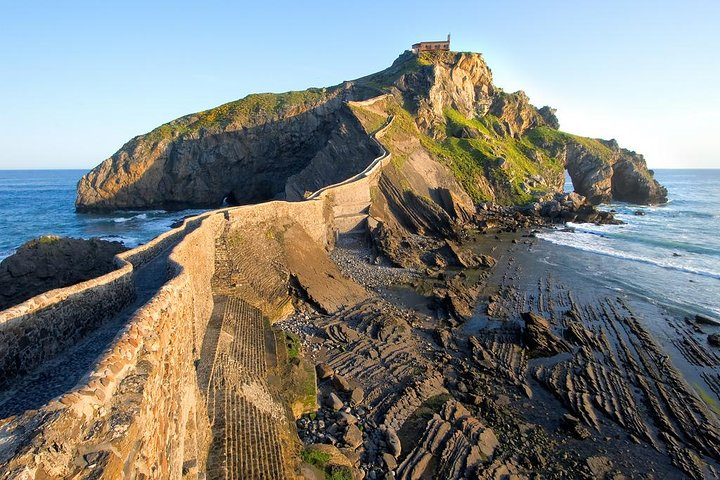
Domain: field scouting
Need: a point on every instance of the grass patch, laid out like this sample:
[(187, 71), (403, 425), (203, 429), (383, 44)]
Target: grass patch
[(321, 460), (292, 342), (315, 457), (371, 121), (245, 111)]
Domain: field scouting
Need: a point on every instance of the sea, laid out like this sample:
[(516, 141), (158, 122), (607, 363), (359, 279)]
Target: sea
[(42, 202), (668, 254)]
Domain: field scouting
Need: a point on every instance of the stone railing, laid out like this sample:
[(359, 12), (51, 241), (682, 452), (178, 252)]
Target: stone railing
[(139, 412)]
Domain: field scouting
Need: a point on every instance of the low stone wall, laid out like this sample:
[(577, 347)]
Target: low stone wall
[(39, 328)]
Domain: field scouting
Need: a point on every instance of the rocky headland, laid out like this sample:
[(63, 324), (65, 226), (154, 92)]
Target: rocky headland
[(404, 323), (282, 146)]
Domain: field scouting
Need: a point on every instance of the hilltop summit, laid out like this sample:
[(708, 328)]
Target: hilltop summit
[(264, 146)]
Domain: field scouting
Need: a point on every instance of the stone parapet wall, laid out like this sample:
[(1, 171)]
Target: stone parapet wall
[(39, 328)]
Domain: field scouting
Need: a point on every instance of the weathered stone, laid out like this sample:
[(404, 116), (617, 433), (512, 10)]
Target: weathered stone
[(341, 384), (357, 395), (324, 371), (353, 436), (393, 442), (334, 402)]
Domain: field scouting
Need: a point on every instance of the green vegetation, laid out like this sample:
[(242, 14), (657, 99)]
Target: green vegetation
[(554, 140), (315, 457), (321, 460), (47, 240), (292, 342), (502, 160), (238, 112), (371, 121)]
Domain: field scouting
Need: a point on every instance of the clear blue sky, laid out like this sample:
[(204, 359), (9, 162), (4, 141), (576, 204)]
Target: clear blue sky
[(79, 78)]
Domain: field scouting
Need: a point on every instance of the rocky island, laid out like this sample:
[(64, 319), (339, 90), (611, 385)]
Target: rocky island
[(373, 305)]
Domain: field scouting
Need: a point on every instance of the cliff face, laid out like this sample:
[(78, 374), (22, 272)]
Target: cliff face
[(273, 151), (497, 145)]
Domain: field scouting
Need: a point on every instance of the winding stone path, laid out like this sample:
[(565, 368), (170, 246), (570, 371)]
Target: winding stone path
[(63, 372)]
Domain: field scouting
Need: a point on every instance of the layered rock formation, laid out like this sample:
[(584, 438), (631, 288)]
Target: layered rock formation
[(496, 144)]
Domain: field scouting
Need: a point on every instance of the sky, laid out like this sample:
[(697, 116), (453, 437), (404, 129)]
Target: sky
[(80, 78)]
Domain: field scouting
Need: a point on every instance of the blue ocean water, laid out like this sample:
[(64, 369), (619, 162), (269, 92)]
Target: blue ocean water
[(669, 254), (41, 202)]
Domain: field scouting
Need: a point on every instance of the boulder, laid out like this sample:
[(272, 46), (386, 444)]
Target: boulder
[(324, 371), (353, 436), (341, 384), (334, 402), (539, 339)]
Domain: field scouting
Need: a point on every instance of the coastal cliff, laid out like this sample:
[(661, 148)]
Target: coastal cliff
[(497, 145)]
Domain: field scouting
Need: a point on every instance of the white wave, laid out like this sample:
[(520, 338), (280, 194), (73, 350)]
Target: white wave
[(586, 243)]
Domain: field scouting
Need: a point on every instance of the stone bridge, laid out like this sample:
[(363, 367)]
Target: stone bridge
[(155, 370)]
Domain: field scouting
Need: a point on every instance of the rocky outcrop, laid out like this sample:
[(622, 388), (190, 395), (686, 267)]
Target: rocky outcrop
[(51, 262), (243, 159), (517, 115), (603, 172)]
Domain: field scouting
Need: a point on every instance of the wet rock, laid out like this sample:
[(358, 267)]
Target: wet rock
[(538, 337), (706, 320), (714, 339)]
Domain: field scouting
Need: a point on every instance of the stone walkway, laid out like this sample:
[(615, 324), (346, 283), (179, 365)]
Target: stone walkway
[(63, 372), (246, 420)]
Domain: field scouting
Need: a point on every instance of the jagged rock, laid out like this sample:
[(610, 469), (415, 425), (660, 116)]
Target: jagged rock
[(341, 384), (574, 426), (515, 113), (611, 173), (324, 371), (353, 436), (599, 466), (714, 339), (488, 442), (469, 259), (538, 337), (357, 395), (345, 418), (334, 402)]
